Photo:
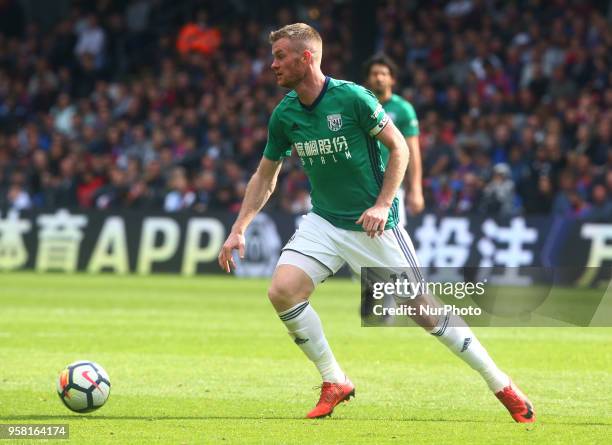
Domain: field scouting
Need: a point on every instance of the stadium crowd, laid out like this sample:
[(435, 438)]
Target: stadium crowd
[(108, 110)]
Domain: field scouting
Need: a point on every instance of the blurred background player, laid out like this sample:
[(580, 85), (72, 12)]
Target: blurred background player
[(381, 74)]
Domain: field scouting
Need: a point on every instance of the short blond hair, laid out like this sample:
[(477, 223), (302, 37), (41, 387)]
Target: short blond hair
[(304, 35)]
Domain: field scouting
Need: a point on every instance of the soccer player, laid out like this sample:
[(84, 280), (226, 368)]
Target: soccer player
[(381, 74), (335, 127)]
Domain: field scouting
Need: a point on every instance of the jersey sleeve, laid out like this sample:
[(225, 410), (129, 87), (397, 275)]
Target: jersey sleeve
[(370, 113), (411, 127), (278, 145)]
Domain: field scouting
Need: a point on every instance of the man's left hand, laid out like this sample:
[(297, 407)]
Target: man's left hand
[(415, 201)]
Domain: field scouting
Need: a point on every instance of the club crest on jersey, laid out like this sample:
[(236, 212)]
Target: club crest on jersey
[(334, 122)]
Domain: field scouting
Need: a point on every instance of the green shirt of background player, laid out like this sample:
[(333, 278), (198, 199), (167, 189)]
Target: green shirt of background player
[(381, 73)]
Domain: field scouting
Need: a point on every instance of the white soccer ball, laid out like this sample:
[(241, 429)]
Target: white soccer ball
[(83, 386)]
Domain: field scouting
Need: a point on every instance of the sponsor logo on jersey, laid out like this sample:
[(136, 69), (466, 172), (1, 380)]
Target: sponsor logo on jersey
[(323, 149), (334, 122)]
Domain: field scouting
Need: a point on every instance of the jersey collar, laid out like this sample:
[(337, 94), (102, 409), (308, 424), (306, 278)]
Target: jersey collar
[(388, 100), (319, 97)]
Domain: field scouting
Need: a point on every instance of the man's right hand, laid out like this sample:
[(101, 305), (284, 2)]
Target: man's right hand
[(234, 241)]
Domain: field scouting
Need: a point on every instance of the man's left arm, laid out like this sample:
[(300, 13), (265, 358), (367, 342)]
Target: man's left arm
[(414, 178), (374, 219)]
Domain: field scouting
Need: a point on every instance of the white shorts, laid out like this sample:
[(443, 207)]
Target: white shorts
[(401, 206), (320, 249)]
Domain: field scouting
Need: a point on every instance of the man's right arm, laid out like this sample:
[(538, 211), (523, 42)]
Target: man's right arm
[(258, 191)]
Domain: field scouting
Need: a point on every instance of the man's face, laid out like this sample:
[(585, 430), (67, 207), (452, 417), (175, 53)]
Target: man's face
[(289, 65), (380, 80)]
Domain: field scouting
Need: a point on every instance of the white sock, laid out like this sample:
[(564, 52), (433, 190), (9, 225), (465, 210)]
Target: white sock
[(459, 338), (304, 326)]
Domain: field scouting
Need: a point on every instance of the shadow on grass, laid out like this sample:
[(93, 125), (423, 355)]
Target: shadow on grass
[(331, 419)]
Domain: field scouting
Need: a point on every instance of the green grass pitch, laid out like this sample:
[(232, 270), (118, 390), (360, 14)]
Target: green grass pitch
[(206, 360)]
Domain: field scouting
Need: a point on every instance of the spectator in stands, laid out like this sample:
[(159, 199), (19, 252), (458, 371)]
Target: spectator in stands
[(498, 195), (101, 108), (113, 194), (90, 39), (602, 203), (205, 186), (179, 196)]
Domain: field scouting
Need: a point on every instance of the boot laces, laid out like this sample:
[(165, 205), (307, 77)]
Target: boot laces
[(329, 392), (513, 399)]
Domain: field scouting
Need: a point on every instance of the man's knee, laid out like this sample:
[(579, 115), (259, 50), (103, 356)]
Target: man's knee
[(279, 291), (289, 287)]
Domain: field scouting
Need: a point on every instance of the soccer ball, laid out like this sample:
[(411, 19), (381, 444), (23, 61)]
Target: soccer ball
[(83, 386)]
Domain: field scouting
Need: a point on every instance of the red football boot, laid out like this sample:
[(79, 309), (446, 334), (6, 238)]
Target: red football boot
[(331, 395), (519, 406)]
